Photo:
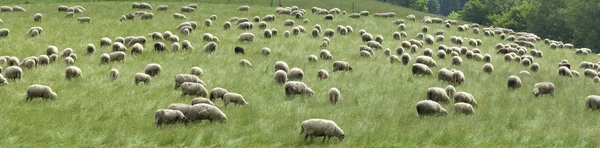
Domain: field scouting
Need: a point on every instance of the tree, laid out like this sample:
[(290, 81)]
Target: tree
[(433, 6), (513, 19), (583, 15), (548, 19)]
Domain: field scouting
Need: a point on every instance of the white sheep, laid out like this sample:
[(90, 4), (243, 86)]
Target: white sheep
[(420, 69), (438, 94), (199, 112), (193, 89), (201, 100), (142, 77), (246, 37), (543, 88), (181, 78), (321, 127), (169, 116), (334, 95), (426, 60), (296, 87), (217, 92), (234, 98), (592, 102), (73, 72), (114, 74), (40, 91), (341, 66), (281, 65), (464, 97), (428, 107), (463, 108), (196, 71)]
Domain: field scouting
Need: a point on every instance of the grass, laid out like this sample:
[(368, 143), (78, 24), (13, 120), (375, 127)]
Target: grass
[(377, 107)]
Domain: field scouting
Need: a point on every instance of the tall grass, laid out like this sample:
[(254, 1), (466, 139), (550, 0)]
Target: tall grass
[(377, 107)]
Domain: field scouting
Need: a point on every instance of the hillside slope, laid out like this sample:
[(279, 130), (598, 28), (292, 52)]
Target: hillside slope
[(377, 107)]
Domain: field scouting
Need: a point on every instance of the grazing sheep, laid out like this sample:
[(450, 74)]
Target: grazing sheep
[(114, 74), (458, 77), (245, 25), (313, 58), (169, 116), (428, 107), (295, 74), (456, 60), (117, 56), (438, 94), (196, 71), (13, 72), (341, 66), (243, 8), (267, 33), (265, 51), (321, 127), (104, 58), (187, 9), (246, 37), (488, 68), (207, 23), (420, 69), (564, 71), (162, 8), (592, 102), (199, 112), (160, 47), (325, 55), (405, 58), (39, 91), (245, 63), (590, 73), (463, 108), (142, 77), (513, 82), (217, 92), (69, 61), (210, 47), (186, 45), (181, 78), (465, 98), (193, 89), (62, 8), (147, 16), (43, 60), (3, 80), (329, 33), (87, 19), (297, 88), (29, 64), (4, 32), (280, 77), (543, 88), (72, 72), (426, 60), (179, 16), (234, 98), (226, 25), (281, 65), (137, 48), (239, 50), (525, 73), (334, 95), (202, 100), (152, 69), (37, 17), (289, 23)]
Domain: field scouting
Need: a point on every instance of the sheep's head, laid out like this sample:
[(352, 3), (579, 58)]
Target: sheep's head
[(310, 92), (443, 112), (53, 95)]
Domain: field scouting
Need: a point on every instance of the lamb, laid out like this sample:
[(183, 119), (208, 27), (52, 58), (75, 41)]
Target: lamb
[(438, 94), (513, 82), (114, 74), (341, 66), (202, 100), (117, 56), (196, 71), (463, 108), (280, 77), (199, 112), (217, 92), (428, 108), (234, 98), (37, 17), (169, 116), (281, 65), (426, 60), (152, 69), (265, 51), (39, 91), (245, 63), (420, 69), (13, 72), (87, 19), (142, 77), (181, 78), (295, 74), (543, 88), (592, 102), (321, 127), (297, 88), (210, 47), (194, 89), (246, 37)]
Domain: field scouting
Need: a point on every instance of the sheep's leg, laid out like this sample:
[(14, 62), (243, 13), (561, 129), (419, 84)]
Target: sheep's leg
[(306, 137)]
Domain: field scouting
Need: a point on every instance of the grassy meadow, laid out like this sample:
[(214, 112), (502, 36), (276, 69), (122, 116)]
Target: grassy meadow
[(377, 106)]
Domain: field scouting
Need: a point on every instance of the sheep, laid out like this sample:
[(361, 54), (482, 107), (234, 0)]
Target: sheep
[(186, 45), (428, 107), (592, 102), (267, 33), (543, 88), (37, 17), (297, 88), (181, 78), (43, 60), (329, 33), (3, 80), (210, 47), (234, 98), (387, 52), (265, 51), (13, 72), (280, 77), (513, 82), (438, 94), (72, 72), (590, 73), (137, 48), (564, 71), (405, 58), (179, 16), (488, 68), (245, 63), (29, 64), (295, 74), (274, 32), (169, 116), (217, 92), (325, 55), (243, 8), (147, 16), (162, 8), (286, 33), (196, 71), (199, 112), (52, 58), (69, 61), (463, 108), (207, 23), (4, 32), (341, 66), (52, 50), (321, 127), (245, 26), (12, 61), (575, 73), (246, 37), (213, 17), (87, 19), (426, 60), (201, 100), (62, 8), (152, 69), (262, 25), (114, 74), (281, 65), (117, 46), (313, 58), (40, 91), (465, 98), (142, 77), (420, 69), (104, 58), (187, 9), (194, 89), (289, 23), (117, 56), (160, 47)]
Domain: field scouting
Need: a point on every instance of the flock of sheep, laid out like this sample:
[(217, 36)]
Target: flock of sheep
[(202, 108)]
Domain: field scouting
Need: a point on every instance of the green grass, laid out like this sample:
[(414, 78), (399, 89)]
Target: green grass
[(377, 107)]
